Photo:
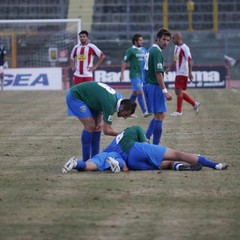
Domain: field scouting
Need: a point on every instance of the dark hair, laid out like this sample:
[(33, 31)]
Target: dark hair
[(84, 32), (136, 37), (128, 105), (163, 32)]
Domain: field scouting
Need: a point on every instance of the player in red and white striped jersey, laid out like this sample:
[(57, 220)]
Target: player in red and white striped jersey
[(183, 64), (82, 57)]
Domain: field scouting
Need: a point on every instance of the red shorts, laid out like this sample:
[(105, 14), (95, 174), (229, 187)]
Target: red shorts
[(77, 80), (181, 82)]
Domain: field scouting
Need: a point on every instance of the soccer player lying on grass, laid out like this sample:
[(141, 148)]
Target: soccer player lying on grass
[(132, 146), (113, 160)]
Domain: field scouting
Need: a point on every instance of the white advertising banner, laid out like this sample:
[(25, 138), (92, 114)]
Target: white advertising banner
[(204, 76), (33, 79)]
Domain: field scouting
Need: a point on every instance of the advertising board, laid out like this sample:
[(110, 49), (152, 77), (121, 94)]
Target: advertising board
[(203, 76), (33, 79)]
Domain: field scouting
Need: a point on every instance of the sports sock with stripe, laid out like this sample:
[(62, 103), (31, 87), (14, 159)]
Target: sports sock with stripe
[(176, 166)]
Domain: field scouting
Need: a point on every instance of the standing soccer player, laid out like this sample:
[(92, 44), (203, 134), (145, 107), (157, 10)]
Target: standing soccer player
[(183, 64), (2, 64), (91, 102), (155, 91), (135, 55), (82, 57)]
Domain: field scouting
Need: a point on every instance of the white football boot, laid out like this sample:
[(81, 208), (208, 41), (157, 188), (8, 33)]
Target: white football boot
[(196, 107), (69, 165), (221, 166), (114, 164)]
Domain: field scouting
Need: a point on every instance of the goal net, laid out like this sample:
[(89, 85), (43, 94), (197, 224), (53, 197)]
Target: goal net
[(39, 43)]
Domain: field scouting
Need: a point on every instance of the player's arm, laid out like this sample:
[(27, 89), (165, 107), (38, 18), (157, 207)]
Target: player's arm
[(126, 59), (98, 63), (72, 62), (5, 65), (123, 67), (125, 168), (108, 130), (161, 83), (190, 68), (73, 59), (141, 135), (99, 122)]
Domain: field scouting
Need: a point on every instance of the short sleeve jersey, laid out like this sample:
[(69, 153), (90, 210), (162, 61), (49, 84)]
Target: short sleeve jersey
[(153, 64), (181, 56), (2, 55), (135, 56), (99, 97), (84, 56), (124, 141)]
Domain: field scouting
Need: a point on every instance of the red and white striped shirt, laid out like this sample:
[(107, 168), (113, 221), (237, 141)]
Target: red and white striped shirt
[(181, 56), (84, 56)]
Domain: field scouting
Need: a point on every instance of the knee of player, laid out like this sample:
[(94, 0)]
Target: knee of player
[(90, 128)]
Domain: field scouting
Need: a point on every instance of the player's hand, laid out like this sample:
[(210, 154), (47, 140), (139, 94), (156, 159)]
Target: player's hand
[(121, 78), (190, 76), (167, 70), (168, 96), (99, 126), (125, 168), (91, 69)]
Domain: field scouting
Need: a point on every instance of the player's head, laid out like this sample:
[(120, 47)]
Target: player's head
[(137, 40), (83, 36), (127, 108), (163, 38), (177, 38), (163, 32)]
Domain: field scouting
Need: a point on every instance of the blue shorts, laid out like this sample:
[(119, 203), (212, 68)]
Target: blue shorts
[(145, 94), (137, 84), (144, 156), (155, 99), (78, 108), (102, 164)]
